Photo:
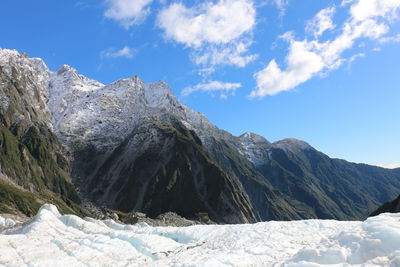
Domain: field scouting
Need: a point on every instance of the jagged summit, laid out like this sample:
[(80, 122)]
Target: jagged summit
[(66, 68), (7, 53)]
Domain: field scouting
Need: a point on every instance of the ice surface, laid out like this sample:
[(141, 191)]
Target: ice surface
[(50, 239)]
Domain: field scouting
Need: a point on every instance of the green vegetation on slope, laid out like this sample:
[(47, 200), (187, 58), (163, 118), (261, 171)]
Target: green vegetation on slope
[(30, 154)]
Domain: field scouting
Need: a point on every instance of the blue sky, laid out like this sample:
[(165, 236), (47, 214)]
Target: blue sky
[(326, 72)]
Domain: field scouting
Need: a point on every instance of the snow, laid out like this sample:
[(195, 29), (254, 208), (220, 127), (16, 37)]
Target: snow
[(6, 222), (52, 239), (254, 147)]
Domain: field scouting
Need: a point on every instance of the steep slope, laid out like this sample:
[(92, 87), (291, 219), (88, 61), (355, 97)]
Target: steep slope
[(162, 166), (390, 206), (33, 168), (332, 188)]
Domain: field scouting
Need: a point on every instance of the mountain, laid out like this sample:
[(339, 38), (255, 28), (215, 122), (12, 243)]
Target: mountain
[(132, 146), (390, 206), (33, 168), (333, 188)]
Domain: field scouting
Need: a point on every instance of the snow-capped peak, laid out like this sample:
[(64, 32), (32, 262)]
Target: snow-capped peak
[(86, 111)]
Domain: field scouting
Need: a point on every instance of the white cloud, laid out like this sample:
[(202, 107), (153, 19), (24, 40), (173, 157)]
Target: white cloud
[(390, 39), (231, 54), (125, 52), (308, 58), (302, 65), (217, 33), (321, 22), (223, 89), (371, 9), (127, 12), (353, 58)]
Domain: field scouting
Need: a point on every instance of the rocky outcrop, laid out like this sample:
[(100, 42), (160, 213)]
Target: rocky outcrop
[(390, 206)]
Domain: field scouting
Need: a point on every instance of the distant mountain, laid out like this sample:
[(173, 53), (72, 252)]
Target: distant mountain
[(390, 206), (134, 147), (332, 188)]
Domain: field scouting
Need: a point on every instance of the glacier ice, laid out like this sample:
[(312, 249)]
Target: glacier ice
[(51, 239)]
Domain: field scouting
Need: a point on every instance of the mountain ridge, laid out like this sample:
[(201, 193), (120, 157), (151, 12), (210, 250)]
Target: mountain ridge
[(126, 124)]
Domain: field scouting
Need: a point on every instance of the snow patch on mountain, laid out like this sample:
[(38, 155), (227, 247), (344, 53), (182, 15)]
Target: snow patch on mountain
[(68, 86), (52, 239), (255, 147)]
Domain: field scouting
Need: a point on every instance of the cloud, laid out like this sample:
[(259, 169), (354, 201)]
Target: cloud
[(321, 22), (124, 52), (127, 12), (217, 33), (224, 89), (231, 54), (390, 39), (308, 58)]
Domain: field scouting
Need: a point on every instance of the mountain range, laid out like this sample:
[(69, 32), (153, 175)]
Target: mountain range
[(131, 146)]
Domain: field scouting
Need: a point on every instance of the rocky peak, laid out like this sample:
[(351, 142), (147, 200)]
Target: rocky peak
[(292, 145), (254, 147), (66, 69), (32, 75), (159, 94), (252, 138)]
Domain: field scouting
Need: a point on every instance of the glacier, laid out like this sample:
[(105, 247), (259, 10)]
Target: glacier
[(52, 239)]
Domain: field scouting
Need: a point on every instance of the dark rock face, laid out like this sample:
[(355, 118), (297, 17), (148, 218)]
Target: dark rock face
[(169, 171), (390, 206)]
